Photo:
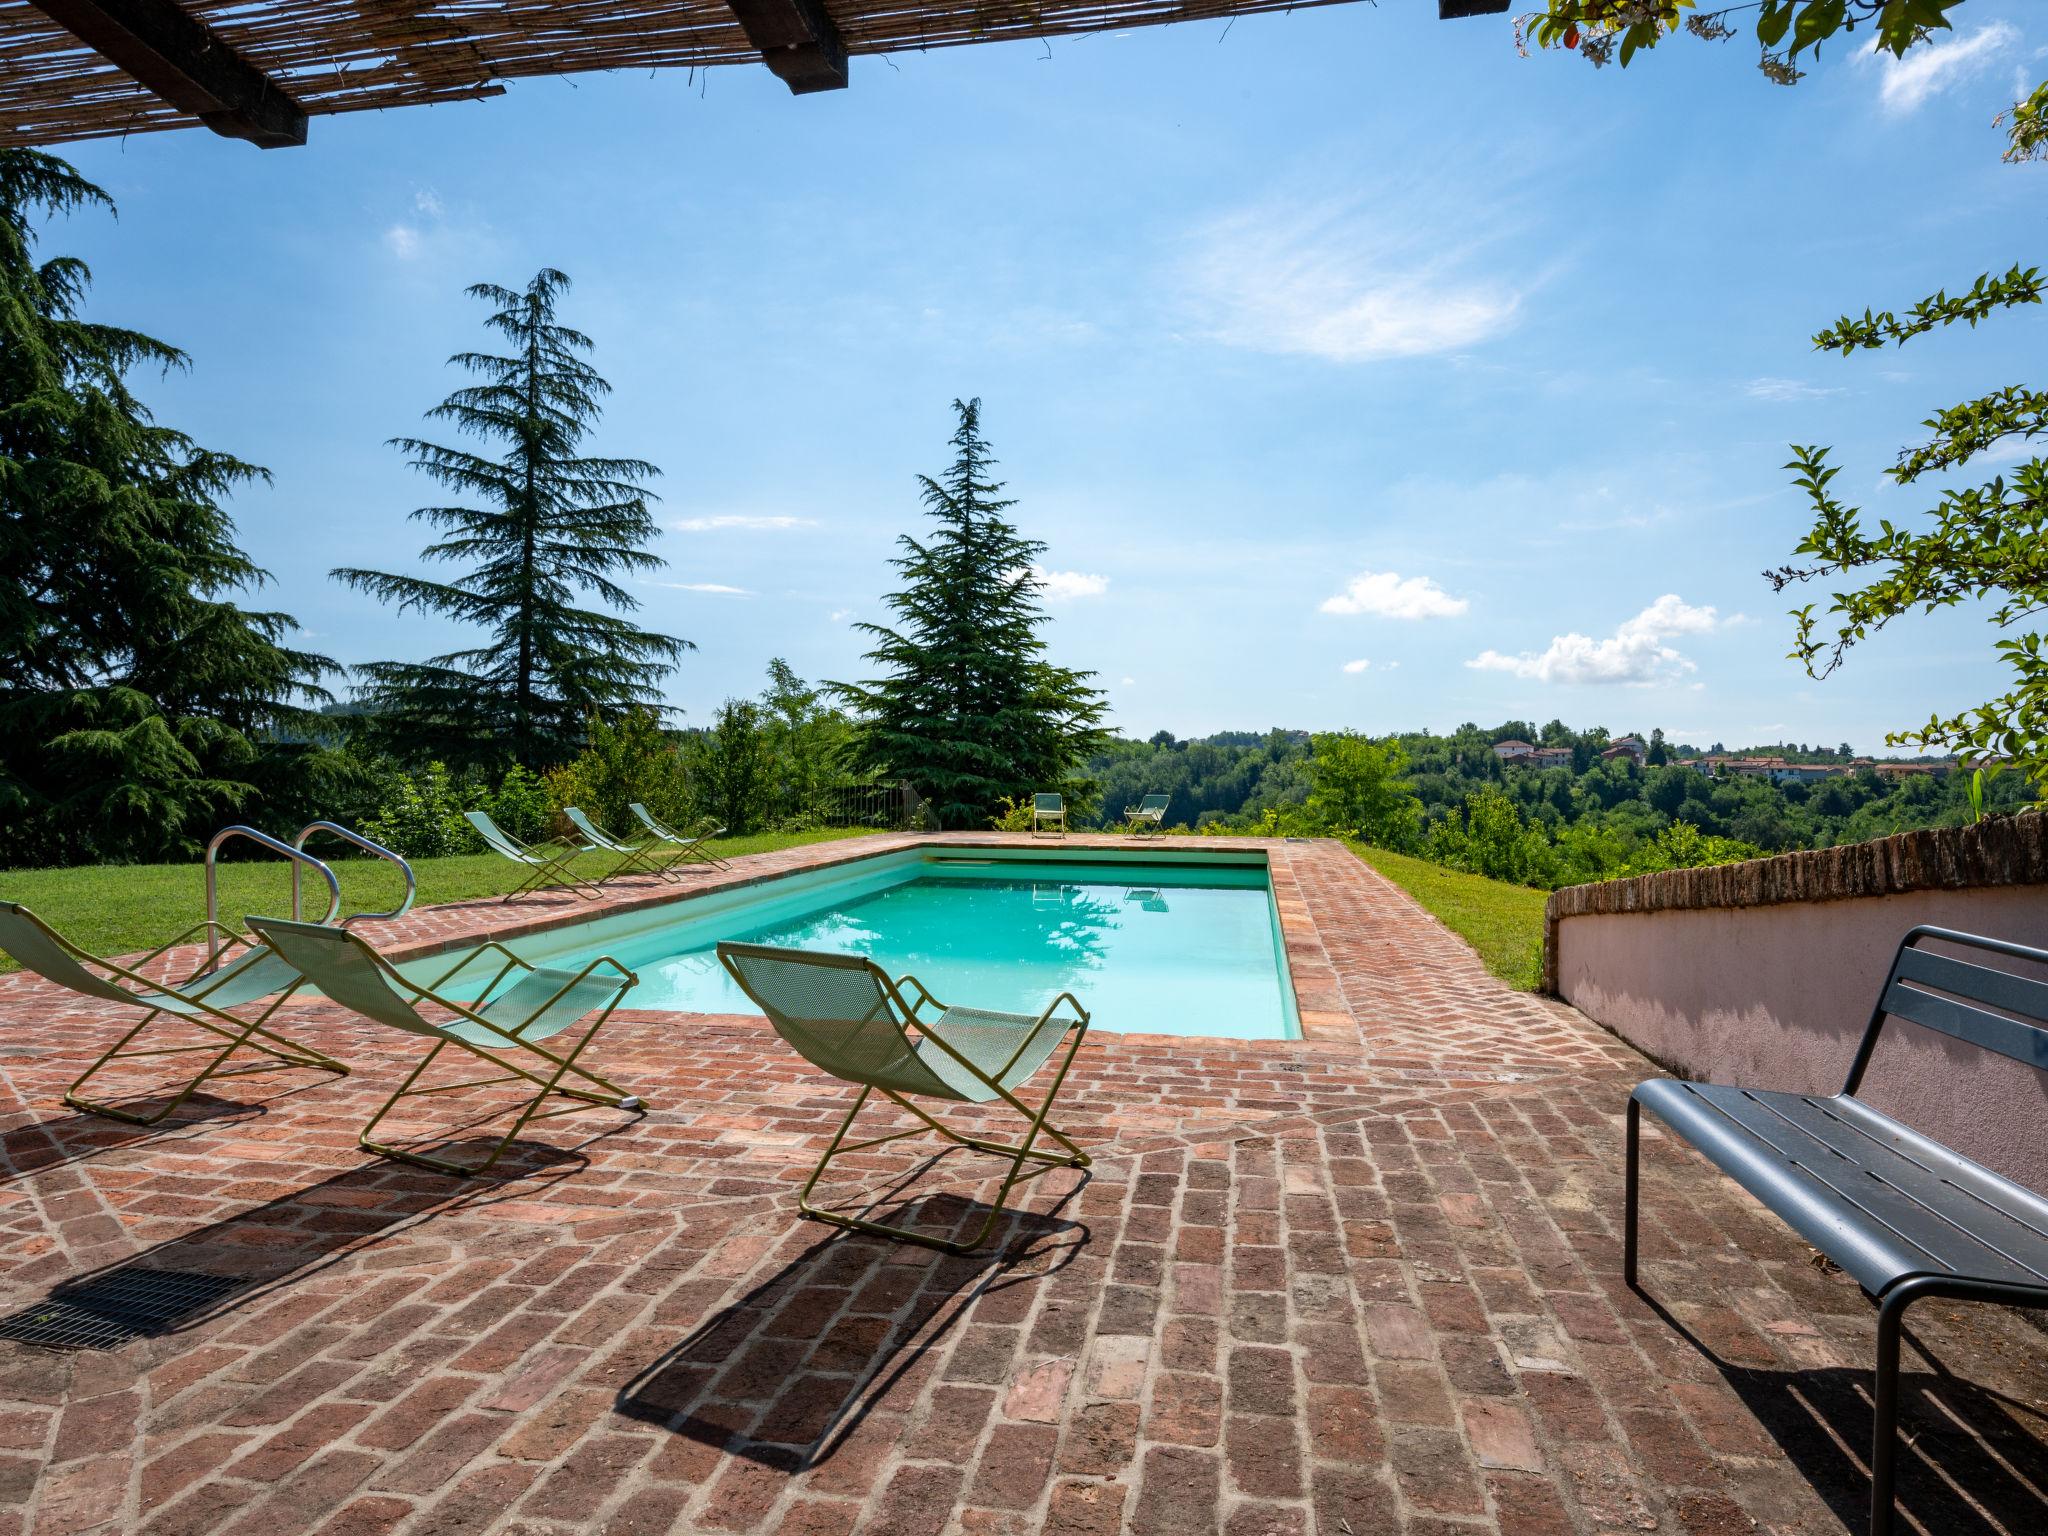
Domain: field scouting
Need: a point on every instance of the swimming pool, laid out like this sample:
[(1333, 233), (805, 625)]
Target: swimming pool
[(1176, 946)]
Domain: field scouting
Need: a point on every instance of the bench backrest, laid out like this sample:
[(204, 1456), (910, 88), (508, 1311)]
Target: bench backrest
[(1981, 1005)]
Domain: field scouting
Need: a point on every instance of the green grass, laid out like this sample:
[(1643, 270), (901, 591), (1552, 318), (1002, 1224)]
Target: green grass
[(1504, 923), (119, 909)]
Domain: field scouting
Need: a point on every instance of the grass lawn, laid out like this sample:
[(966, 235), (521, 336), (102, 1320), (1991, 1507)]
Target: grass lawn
[(117, 909), (1504, 923)]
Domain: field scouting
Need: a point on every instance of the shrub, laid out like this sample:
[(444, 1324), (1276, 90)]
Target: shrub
[(420, 816), (520, 804), (1012, 815), (631, 758), (1361, 789), (729, 767), (1684, 846)]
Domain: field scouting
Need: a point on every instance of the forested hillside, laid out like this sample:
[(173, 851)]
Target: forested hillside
[(1588, 819)]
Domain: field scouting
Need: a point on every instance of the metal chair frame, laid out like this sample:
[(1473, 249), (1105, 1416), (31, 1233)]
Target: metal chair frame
[(1054, 814), (548, 1082), (547, 865), (633, 858), (239, 1033), (906, 1015)]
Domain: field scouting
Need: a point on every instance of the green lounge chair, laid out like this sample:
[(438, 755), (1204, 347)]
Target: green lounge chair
[(1049, 810), (634, 858), (845, 1016), (692, 848), (1148, 815), (498, 1020), (546, 864), (203, 999)]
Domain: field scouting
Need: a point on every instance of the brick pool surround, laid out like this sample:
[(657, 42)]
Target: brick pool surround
[(1363, 1282)]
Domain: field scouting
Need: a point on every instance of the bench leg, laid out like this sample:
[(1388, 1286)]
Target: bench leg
[(1891, 1318), (1628, 1194)]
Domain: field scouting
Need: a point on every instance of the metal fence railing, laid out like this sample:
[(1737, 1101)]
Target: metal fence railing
[(894, 807)]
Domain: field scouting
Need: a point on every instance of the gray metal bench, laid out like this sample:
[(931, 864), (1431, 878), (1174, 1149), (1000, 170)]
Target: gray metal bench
[(1904, 1216)]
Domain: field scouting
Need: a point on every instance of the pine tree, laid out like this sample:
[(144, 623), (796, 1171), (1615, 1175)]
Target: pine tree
[(138, 702), (551, 526), (971, 711)]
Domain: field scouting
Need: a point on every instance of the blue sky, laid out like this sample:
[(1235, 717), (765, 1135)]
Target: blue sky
[(1355, 371)]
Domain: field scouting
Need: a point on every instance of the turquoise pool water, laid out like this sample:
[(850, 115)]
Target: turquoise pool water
[(1145, 947)]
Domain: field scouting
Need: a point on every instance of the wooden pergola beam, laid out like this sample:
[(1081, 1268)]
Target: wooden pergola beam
[(182, 60), (797, 40), (1452, 10)]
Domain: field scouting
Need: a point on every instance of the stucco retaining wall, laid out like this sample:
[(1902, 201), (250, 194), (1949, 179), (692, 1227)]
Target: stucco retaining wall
[(1765, 973)]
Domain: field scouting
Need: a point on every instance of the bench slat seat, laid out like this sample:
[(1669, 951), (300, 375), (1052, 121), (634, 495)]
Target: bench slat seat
[(1881, 1200)]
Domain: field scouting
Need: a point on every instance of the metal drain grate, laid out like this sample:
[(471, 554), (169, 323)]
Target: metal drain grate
[(107, 1312)]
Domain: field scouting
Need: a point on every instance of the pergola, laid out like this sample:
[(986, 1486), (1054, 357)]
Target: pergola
[(257, 69)]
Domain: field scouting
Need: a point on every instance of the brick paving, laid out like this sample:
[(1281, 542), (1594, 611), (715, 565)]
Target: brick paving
[(1364, 1282)]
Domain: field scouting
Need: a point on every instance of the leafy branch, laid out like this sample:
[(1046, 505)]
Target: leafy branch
[(1985, 542)]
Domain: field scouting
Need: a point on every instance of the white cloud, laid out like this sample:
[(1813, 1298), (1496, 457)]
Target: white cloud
[(1626, 520), (741, 522), (1130, 682), (716, 588), (1782, 390), (426, 200), (1904, 85), (1064, 586), (1334, 280), (1393, 596), (1359, 665), (1638, 653), (403, 241), (2010, 451), (839, 615)]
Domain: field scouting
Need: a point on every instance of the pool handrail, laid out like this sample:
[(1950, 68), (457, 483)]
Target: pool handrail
[(346, 834), (298, 856)]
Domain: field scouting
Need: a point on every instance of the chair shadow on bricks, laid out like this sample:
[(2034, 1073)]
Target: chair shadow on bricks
[(251, 1259), (785, 1374), (1972, 1459), (75, 1137)]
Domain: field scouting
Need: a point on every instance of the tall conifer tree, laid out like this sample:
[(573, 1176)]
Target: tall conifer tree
[(138, 703), (548, 527), (970, 710)]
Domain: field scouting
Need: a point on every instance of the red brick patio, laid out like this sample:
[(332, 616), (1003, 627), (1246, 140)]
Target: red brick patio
[(1365, 1282)]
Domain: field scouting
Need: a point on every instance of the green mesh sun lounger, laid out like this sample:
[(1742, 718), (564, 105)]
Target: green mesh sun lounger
[(546, 864), (648, 858), (1148, 815), (501, 1015), (203, 1000), (1049, 813), (845, 1016), (693, 848)]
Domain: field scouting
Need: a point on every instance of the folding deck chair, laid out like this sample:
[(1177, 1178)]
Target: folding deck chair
[(1049, 809), (545, 863), (501, 1020), (634, 858), (203, 999), (691, 848), (845, 1016), (1149, 814)]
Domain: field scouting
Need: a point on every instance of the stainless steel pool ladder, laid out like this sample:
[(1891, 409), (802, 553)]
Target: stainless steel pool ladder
[(346, 834), (295, 851)]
